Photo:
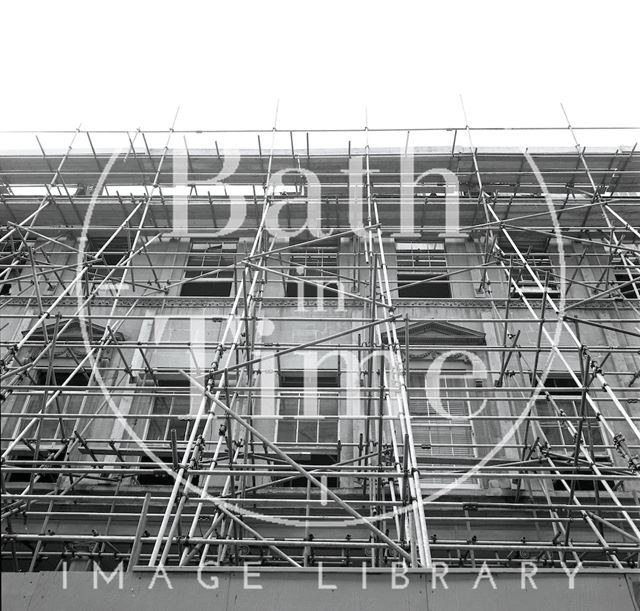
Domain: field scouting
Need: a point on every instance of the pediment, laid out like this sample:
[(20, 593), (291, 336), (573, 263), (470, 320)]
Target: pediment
[(441, 333), (73, 333)]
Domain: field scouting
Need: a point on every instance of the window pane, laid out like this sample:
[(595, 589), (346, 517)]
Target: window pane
[(289, 406), (420, 262), (447, 436), (286, 431), (308, 431), (207, 257), (328, 431), (328, 407)]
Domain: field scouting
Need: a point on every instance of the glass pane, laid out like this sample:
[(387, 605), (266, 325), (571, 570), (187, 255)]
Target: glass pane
[(328, 407), (328, 432), (161, 406), (48, 427), (308, 431), (551, 428), (180, 426), (157, 427), (289, 406), (286, 431)]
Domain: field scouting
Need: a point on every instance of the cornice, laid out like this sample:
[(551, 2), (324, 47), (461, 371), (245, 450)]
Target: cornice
[(310, 305)]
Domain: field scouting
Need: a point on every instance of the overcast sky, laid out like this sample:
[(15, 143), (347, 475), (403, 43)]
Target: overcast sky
[(124, 65)]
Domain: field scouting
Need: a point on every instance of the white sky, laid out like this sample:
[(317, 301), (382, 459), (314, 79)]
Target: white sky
[(124, 65)]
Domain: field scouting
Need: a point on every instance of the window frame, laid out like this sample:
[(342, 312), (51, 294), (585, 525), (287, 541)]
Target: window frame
[(160, 445), (427, 423), (118, 249), (31, 404), (563, 399), (7, 255), (214, 264), (326, 382), (539, 262), (624, 272), (171, 415), (417, 261), (303, 261)]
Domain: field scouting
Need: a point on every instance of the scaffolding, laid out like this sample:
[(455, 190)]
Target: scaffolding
[(94, 471)]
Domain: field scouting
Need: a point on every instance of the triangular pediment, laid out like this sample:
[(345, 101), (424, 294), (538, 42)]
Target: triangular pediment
[(440, 333), (73, 333)]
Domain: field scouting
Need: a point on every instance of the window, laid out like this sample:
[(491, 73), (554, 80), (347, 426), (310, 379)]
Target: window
[(37, 386), (444, 433), (566, 395), (419, 262), (209, 271), (319, 265), (540, 264), (310, 462), (562, 391), (23, 457), (437, 433), (8, 271), (167, 409), (171, 404), (626, 270), (296, 401), (297, 425), (117, 250), (53, 430)]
